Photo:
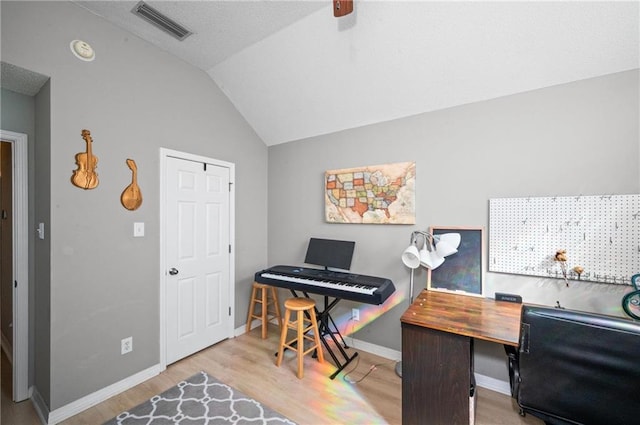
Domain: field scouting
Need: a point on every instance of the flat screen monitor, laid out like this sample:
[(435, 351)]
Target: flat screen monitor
[(330, 253)]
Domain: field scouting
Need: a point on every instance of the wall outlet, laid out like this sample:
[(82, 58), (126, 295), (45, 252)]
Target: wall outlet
[(355, 314), (126, 345)]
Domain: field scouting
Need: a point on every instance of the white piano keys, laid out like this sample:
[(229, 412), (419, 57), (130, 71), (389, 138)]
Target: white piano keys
[(356, 288)]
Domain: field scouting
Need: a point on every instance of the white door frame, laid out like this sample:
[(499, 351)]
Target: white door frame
[(164, 154), (20, 264)]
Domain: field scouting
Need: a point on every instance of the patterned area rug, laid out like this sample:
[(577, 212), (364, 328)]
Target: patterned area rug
[(200, 400)]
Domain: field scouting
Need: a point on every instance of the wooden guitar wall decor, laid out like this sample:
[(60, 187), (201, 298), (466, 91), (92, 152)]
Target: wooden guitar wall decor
[(342, 7), (85, 177), (131, 197)]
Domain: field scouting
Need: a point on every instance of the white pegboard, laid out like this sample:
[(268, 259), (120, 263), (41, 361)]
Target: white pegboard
[(599, 233)]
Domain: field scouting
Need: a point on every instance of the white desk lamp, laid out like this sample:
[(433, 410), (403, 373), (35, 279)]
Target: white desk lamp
[(431, 255)]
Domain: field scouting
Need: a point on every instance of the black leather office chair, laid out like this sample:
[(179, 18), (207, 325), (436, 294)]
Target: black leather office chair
[(577, 368)]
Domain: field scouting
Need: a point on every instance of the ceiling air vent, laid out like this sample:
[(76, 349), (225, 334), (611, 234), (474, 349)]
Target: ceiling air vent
[(161, 21)]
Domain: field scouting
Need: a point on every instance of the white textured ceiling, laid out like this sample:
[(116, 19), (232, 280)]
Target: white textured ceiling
[(294, 71), (21, 80), (221, 28)]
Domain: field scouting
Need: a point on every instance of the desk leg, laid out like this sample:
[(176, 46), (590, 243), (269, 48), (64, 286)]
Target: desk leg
[(436, 376)]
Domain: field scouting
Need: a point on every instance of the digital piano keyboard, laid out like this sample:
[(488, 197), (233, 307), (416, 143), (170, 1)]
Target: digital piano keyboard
[(348, 286)]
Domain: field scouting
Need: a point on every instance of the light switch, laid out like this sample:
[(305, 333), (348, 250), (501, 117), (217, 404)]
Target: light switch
[(138, 230)]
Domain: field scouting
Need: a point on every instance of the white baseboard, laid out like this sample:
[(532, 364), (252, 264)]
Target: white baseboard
[(483, 381), (378, 350), (493, 384), (41, 407), (254, 324), (239, 330), (71, 409)]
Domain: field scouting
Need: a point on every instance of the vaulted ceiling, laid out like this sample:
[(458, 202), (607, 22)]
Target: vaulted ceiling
[(294, 71)]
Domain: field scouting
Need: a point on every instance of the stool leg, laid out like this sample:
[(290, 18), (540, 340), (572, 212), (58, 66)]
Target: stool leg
[(283, 337), (316, 336), (300, 343), (265, 307), (252, 305), (274, 293)]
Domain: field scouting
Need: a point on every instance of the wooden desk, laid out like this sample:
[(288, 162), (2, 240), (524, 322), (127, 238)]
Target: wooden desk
[(437, 353)]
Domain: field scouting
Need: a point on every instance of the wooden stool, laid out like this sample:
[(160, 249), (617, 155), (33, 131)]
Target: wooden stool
[(300, 306), (265, 315)]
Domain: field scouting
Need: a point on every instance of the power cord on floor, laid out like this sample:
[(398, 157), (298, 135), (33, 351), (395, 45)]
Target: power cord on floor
[(373, 367), (350, 380)]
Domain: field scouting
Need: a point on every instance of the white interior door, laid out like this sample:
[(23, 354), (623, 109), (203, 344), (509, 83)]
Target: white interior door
[(197, 246), (20, 349)]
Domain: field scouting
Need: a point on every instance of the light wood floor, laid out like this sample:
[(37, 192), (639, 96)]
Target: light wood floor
[(248, 364)]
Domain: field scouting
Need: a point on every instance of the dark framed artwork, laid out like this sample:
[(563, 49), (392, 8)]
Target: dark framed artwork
[(461, 273)]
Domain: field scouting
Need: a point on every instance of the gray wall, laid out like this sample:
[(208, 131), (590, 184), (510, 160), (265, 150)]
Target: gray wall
[(40, 309), (102, 284), (94, 284), (578, 138)]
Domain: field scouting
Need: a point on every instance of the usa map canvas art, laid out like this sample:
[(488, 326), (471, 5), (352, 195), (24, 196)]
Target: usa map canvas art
[(375, 194)]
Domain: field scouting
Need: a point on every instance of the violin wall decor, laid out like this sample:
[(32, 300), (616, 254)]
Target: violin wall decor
[(131, 197), (85, 177)]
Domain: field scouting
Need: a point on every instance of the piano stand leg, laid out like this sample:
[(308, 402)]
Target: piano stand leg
[(324, 323), (342, 366), (344, 343)]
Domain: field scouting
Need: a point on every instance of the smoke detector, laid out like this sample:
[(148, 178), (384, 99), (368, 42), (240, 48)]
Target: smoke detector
[(82, 50)]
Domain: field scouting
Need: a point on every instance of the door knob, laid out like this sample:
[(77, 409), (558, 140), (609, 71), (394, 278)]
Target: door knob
[(173, 271)]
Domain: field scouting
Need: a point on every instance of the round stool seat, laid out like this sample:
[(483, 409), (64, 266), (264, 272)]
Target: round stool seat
[(299, 304)]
